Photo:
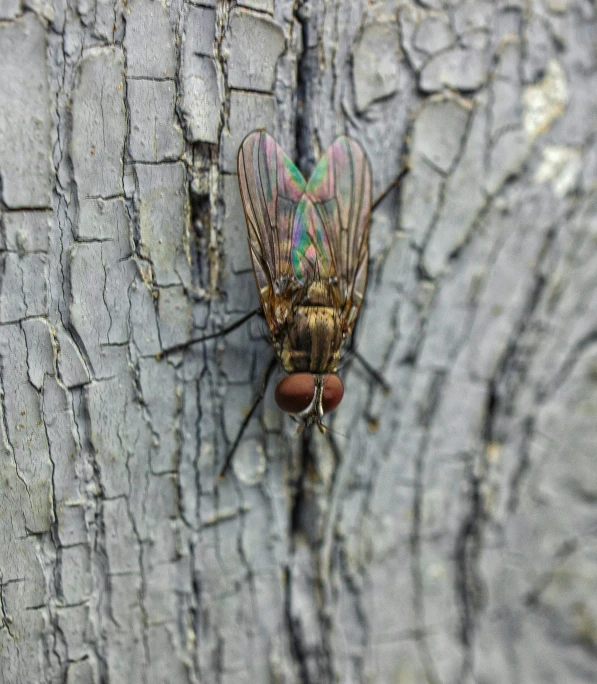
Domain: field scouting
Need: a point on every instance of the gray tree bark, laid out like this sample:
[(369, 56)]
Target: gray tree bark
[(444, 532)]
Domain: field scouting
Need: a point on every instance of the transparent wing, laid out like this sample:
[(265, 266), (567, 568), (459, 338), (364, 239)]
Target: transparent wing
[(271, 189), (331, 227)]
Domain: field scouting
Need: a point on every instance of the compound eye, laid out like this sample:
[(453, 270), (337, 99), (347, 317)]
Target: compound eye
[(295, 392), (333, 391)]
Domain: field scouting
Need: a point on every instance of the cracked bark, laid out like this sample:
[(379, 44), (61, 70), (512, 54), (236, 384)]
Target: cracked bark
[(442, 532)]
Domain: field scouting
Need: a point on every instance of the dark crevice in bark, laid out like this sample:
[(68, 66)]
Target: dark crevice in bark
[(298, 486), (511, 372), (97, 535), (200, 205), (315, 665), (59, 646), (528, 428), (417, 577), (425, 418), (195, 608), (7, 620), (512, 361), (3, 210), (566, 368), (98, 560), (306, 73), (142, 592), (294, 630), (491, 412), (468, 547), (7, 433), (522, 465), (469, 587), (354, 588)]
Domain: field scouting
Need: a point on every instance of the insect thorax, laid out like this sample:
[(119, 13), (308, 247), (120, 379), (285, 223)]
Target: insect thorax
[(313, 335)]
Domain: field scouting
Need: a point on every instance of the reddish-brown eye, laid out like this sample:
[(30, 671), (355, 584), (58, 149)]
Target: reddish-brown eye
[(295, 392), (333, 391)]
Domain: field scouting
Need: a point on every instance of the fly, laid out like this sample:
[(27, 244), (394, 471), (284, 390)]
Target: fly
[(309, 245)]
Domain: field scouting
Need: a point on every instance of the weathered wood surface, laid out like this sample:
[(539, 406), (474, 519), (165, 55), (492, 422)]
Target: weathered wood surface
[(448, 532)]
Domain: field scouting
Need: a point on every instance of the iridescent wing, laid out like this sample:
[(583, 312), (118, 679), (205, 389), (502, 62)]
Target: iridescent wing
[(271, 189), (330, 238)]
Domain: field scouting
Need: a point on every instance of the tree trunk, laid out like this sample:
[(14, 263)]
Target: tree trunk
[(438, 533)]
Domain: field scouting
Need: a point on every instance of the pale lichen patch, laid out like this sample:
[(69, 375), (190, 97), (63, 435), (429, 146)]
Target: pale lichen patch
[(561, 166), (545, 101)]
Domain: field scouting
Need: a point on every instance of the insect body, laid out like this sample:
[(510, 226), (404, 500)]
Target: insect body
[(309, 244)]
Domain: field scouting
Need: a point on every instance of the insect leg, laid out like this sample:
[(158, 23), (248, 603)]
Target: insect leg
[(219, 333), (376, 375), (384, 193), (260, 394), (372, 372)]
